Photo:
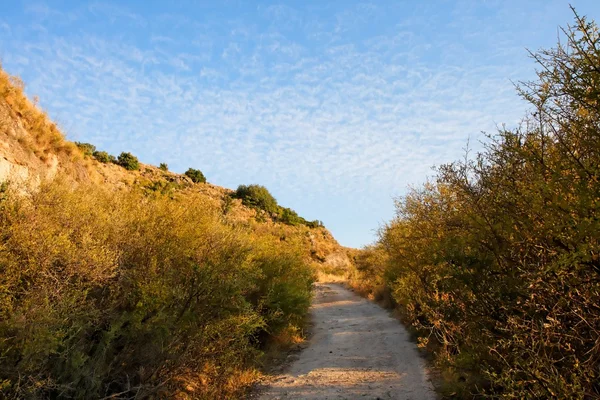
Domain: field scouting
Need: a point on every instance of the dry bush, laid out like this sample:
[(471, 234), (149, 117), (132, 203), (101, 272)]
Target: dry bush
[(497, 261), (124, 293)]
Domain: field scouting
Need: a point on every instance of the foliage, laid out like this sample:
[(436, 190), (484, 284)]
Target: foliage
[(163, 167), (120, 294), (291, 217), (128, 161), (497, 261), (104, 157), (162, 186), (88, 149), (195, 175), (257, 196)]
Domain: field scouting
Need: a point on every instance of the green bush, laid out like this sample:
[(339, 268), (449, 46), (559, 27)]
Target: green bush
[(195, 175), (283, 290), (87, 148), (104, 157), (128, 161), (163, 167), (289, 216), (257, 196)]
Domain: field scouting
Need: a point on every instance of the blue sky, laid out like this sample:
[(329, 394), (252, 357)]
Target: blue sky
[(336, 106)]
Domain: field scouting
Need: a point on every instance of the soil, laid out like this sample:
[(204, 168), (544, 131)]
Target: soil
[(357, 350)]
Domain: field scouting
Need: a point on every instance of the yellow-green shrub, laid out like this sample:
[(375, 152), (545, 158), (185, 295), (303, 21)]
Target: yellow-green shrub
[(105, 292), (497, 260)]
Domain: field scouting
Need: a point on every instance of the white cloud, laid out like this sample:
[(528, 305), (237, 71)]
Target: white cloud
[(313, 115)]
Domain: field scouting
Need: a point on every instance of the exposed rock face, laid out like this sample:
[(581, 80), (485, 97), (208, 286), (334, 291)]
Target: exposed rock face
[(12, 172)]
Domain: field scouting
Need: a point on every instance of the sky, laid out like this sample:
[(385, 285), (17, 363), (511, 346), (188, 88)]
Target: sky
[(337, 107)]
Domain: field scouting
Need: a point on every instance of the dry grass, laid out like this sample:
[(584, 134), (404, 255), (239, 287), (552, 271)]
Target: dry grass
[(43, 137)]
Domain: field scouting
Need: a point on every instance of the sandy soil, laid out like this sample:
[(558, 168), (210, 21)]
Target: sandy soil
[(357, 351)]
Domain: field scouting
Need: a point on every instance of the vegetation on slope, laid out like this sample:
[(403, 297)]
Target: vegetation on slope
[(195, 175), (260, 198), (496, 262), (44, 136), (105, 292), (143, 284)]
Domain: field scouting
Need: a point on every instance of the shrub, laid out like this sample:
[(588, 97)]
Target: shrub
[(113, 293), (289, 216), (104, 157), (314, 224), (128, 161), (163, 167), (195, 175), (87, 148), (257, 196), (496, 262)]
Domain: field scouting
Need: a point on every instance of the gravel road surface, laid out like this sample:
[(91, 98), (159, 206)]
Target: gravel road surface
[(356, 351)]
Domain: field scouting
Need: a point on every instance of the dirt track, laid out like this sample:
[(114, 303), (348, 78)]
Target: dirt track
[(357, 351)]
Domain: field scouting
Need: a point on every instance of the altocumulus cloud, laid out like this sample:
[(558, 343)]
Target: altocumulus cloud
[(335, 108)]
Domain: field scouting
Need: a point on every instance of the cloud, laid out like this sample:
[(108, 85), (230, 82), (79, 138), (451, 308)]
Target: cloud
[(114, 12), (316, 114)]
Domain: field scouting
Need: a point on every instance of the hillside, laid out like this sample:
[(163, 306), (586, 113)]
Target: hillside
[(121, 283), (33, 150)]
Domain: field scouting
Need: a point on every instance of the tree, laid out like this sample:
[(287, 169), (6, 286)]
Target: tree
[(128, 161), (257, 196), (163, 167), (195, 175), (104, 157)]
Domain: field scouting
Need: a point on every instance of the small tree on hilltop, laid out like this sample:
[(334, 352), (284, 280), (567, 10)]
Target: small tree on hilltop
[(257, 196), (128, 161), (195, 175)]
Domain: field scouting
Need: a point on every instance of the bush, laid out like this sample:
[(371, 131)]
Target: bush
[(107, 292), (87, 148), (314, 224), (163, 167), (195, 175), (497, 261), (104, 157), (257, 196), (128, 161), (289, 216)]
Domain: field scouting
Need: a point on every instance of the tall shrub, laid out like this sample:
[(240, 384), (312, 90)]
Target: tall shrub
[(497, 260)]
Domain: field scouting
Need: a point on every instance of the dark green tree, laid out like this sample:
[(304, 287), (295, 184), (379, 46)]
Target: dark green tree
[(128, 161), (104, 157), (195, 175), (257, 196)]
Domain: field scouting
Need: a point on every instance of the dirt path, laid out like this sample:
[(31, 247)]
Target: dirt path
[(357, 351)]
